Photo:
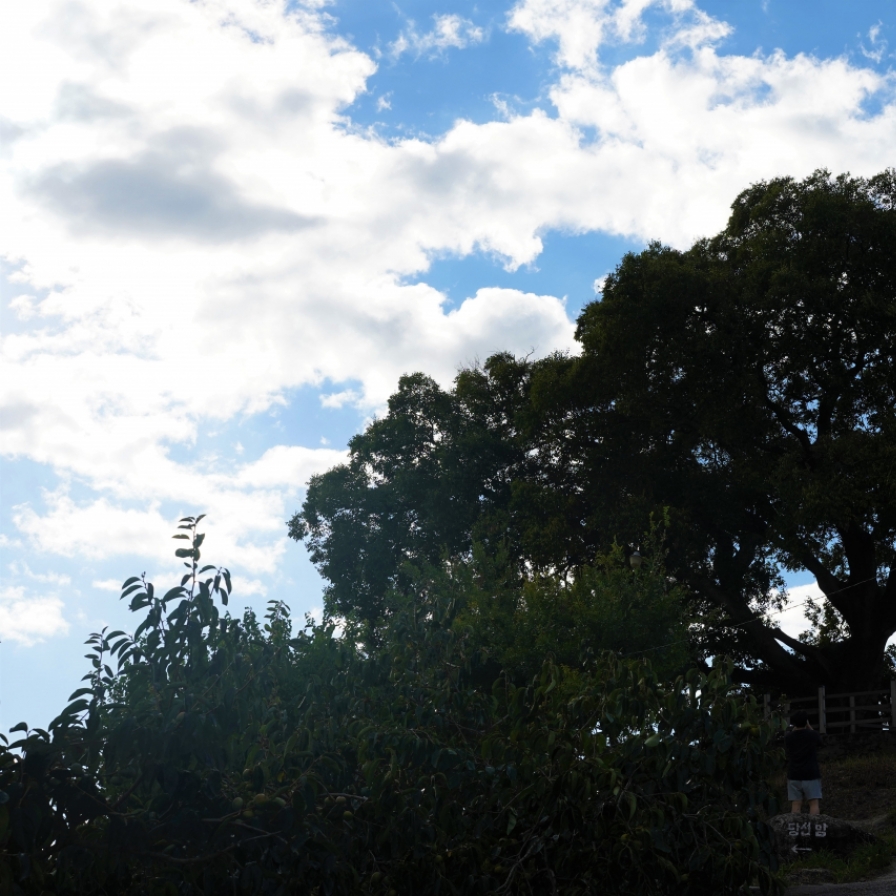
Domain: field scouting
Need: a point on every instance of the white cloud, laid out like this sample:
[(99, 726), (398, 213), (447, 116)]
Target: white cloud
[(99, 529), (877, 48), (246, 506), (19, 568), (340, 399), (288, 466), (197, 228), (792, 621), (581, 27), (448, 32), (113, 585), (247, 587), (23, 306), (29, 620)]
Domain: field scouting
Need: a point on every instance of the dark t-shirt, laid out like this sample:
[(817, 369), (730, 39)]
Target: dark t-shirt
[(801, 747)]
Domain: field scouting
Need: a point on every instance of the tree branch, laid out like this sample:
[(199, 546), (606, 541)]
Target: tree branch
[(807, 650), (764, 638), (827, 581), (784, 419)]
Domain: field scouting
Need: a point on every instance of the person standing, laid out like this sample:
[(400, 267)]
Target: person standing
[(803, 772)]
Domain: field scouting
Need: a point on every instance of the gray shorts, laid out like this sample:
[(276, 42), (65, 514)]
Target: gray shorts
[(804, 790)]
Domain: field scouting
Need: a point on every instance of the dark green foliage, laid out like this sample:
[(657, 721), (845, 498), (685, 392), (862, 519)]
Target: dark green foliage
[(417, 483), (607, 606), (756, 370), (744, 387), (228, 756)]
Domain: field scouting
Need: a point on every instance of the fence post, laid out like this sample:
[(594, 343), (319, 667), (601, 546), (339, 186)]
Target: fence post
[(852, 714), (893, 704), (822, 720)]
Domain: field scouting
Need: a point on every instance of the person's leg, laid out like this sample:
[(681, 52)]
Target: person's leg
[(812, 792), (795, 795)]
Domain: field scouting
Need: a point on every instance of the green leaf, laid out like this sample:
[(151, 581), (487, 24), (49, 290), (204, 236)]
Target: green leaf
[(183, 552), (22, 726), (181, 536), (80, 693)]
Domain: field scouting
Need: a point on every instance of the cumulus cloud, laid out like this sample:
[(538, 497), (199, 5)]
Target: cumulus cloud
[(166, 193), (284, 466), (581, 27), (97, 530), (246, 505), (20, 568), (28, 620), (197, 227), (792, 620), (448, 32), (107, 585)]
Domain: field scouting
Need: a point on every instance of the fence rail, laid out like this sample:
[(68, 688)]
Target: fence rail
[(867, 715)]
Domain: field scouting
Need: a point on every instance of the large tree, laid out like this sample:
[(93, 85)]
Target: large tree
[(746, 384), (751, 379)]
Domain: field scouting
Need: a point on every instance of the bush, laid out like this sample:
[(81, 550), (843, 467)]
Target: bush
[(230, 756)]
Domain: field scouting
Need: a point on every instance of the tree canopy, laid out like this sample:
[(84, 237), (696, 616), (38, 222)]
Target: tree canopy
[(743, 387)]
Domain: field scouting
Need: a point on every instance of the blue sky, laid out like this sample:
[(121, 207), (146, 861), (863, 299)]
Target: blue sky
[(230, 227)]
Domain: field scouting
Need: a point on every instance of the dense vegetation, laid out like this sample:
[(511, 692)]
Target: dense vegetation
[(744, 387), (226, 756)]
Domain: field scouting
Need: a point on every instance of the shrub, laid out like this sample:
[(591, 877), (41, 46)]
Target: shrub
[(230, 756)]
